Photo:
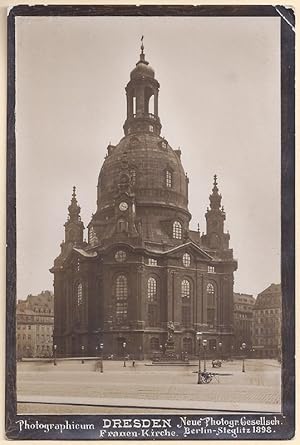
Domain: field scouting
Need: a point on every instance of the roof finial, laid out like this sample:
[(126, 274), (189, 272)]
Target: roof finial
[(142, 45), (215, 197), (74, 209), (142, 55)]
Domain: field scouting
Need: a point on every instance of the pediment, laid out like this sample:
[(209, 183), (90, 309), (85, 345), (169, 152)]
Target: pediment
[(191, 248), (78, 253)]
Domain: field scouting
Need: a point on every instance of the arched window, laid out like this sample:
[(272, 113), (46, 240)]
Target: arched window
[(185, 289), (121, 294), (211, 303), (186, 260), (152, 290), (134, 105), (149, 100), (151, 105), (210, 289), (186, 303), (169, 179), (152, 298), (177, 230), (154, 344), (79, 294)]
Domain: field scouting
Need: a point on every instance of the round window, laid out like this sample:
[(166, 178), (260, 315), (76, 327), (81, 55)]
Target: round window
[(120, 256), (186, 259)]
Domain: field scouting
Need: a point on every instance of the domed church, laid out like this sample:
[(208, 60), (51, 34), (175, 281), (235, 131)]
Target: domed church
[(142, 268)]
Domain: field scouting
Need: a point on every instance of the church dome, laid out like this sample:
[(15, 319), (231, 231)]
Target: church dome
[(142, 69), (153, 168), (142, 187)]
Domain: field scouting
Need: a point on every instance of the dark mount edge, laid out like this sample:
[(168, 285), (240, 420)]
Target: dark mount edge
[(143, 10), (10, 369), (288, 218)]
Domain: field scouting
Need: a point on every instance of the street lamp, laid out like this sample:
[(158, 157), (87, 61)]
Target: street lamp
[(220, 349), (243, 349), (101, 357), (82, 351), (54, 354), (124, 346), (199, 335), (204, 347), (161, 350)]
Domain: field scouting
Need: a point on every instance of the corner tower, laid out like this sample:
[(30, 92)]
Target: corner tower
[(74, 226), (215, 237)]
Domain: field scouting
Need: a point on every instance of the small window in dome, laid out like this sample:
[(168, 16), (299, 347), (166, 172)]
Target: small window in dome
[(129, 130), (151, 128), (168, 179), (164, 144), (177, 230), (133, 177)]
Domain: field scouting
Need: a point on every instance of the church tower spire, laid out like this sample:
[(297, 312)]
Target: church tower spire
[(215, 197), (142, 99), (74, 226), (215, 237)]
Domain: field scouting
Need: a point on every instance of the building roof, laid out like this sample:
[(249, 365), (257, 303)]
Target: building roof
[(37, 303), (85, 253), (239, 298), (271, 297)]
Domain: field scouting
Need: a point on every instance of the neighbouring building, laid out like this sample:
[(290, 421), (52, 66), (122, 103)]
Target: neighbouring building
[(143, 268), (35, 321), (267, 314), (243, 305)]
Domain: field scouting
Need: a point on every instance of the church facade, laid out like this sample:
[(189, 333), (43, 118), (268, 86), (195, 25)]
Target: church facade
[(143, 267)]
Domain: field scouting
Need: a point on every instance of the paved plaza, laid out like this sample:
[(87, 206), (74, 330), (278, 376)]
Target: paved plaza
[(73, 387)]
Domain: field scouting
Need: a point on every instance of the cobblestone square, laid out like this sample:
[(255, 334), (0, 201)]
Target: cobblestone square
[(73, 387)]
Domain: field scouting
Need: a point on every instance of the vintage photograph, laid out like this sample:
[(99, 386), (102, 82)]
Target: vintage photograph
[(148, 225)]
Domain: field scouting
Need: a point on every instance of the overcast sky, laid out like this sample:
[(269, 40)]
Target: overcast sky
[(219, 102)]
